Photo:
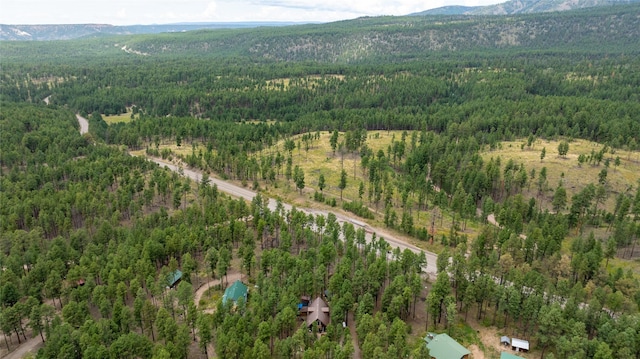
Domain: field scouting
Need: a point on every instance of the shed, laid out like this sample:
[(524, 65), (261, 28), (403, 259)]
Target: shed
[(303, 306), (505, 340), (235, 291), (442, 346), (174, 278), (519, 345), (318, 312), (505, 355)]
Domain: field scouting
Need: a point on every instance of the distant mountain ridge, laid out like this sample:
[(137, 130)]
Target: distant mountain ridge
[(522, 7), (395, 38), (75, 31), (600, 30)]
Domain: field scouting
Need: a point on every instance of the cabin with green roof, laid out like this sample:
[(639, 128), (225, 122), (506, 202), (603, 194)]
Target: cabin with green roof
[(234, 292), (174, 278), (442, 346), (505, 355)]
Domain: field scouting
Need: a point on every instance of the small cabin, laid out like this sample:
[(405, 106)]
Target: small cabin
[(442, 346), (235, 291), (174, 278), (318, 312), (505, 355)]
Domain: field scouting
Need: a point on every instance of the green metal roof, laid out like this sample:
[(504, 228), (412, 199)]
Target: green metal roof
[(442, 346), (505, 355), (235, 291), (174, 277)]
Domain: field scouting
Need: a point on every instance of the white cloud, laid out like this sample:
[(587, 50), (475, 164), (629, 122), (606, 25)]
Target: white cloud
[(121, 12), (211, 10)]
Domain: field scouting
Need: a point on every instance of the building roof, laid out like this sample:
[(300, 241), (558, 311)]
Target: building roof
[(505, 355), (174, 277), (519, 343), (442, 346), (505, 339), (318, 310), (235, 291)]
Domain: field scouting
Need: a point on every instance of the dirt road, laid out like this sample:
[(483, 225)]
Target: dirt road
[(30, 346), (491, 218), (211, 350), (84, 124), (241, 192)]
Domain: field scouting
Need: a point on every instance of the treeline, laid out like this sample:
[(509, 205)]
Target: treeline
[(595, 100)]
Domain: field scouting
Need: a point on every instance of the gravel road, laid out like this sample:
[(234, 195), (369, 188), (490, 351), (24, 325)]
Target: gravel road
[(84, 124), (241, 192)]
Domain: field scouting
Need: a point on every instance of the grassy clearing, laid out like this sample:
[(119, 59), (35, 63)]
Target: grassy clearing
[(320, 159), (285, 83), (122, 118), (211, 297), (575, 177), (185, 149), (620, 179)]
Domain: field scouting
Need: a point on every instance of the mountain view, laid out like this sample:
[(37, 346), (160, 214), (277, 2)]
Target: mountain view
[(523, 7), (444, 186), (67, 32)]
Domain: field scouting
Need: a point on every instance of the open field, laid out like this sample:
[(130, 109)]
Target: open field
[(320, 159), (125, 117), (575, 177)]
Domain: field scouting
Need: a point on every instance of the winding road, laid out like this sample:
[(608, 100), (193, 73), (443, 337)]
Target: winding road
[(84, 124), (237, 191)]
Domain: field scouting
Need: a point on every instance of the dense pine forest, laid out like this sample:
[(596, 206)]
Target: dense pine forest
[(415, 128)]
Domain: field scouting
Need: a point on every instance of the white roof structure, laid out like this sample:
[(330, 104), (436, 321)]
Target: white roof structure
[(520, 343)]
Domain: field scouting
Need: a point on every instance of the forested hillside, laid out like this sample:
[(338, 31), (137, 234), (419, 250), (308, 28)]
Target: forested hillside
[(378, 39), (415, 127)]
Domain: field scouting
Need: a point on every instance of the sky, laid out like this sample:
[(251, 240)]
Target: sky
[(133, 12)]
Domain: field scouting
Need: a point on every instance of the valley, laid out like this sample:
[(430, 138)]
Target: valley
[(471, 176)]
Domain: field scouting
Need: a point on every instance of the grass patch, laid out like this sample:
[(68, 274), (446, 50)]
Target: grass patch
[(320, 159), (210, 298), (575, 177), (306, 82), (122, 118)]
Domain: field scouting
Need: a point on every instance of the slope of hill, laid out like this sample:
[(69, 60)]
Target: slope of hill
[(523, 7), (404, 38), (611, 30)]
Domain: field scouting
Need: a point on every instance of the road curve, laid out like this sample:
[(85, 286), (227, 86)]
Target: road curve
[(84, 124), (237, 191)]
